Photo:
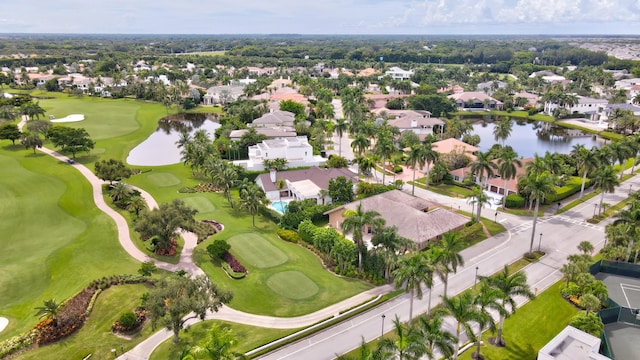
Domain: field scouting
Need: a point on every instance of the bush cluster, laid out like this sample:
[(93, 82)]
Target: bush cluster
[(299, 211), (233, 263), (514, 201), (288, 235), (129, 321)]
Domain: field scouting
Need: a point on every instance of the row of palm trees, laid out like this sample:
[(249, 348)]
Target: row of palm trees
[(426, 336)]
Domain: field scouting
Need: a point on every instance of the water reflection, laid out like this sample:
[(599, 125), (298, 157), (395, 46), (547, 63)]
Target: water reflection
[(160, 147), (529, 137)]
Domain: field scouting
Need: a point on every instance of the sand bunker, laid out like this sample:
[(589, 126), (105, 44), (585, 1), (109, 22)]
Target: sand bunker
[(70, 118), (3, 323)]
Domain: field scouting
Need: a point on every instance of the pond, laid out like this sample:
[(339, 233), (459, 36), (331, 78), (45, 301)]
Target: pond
[(160, 147), (529, 137)]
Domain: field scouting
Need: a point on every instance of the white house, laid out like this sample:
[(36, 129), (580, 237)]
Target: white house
[(602, 114), (397, 73), (584, 105), (222, 94), (297, 151), (572, 343)]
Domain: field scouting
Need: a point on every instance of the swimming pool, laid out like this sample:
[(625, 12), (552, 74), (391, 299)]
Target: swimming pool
[(279, 206)]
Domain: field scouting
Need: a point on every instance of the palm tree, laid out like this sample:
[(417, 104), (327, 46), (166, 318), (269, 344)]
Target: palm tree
[(360, 144), (355, 222), (507, 162), (49, 310), (631, 218), (217, 346), (605, 179), (539, 186), (407, 344), (119, 191), (432, 333), (391, 245), (483, 165), (621, 153), (430, 155), (463, 310), (413, 271), (340, 128), (416, 158), (447, 256), (509, 286), (366, 164), (384, 148), (487, 299), (502, 129), (587, 160), (281, 184), (479, 199), (251, 199), (136, 204), (367, 353)]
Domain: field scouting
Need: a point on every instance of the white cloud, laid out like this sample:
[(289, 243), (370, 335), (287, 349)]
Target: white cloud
[(327, 16)]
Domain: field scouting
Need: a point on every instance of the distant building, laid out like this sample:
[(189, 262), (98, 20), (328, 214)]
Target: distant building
[(475, 100), (583, 106), (572, 343), (397, 73)]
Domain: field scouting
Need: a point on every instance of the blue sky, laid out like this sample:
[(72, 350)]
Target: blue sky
[(322, 16)]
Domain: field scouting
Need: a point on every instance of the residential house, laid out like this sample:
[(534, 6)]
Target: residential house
[(222, 94), (455, 89), (296, 151), (495, 183), (367, 72), (475, 100), (278, 132), (397, 73), (584, 105), (572, 343), (489, 87), (415, 218), (311, 183), (548, 76), (275, 118), (418, 121), (532, 99), (603, 113), (257, 71)]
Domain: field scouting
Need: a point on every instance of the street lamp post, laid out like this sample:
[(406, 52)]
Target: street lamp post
[(495, 217), (539, 242), (630, 185), (595, 207), (475, 280), (382, 332)]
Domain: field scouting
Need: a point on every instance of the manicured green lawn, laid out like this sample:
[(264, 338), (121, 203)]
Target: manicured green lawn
[(247, 337), (95, 337), (292, 284), (55, 240), (256, 250), (531, 327), (252, 294)]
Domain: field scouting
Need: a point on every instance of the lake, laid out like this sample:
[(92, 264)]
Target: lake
[(160, 147), (529, 137)]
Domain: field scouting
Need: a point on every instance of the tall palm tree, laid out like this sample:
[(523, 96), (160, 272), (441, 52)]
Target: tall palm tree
[(507, 162), (539, 186), (384, 148), (340, 128), (605, 179), (509, 286), (413, 271), (483, 166), (49, 310), (479, 199), (407, 344), (366, 353), (119, 191), (447, 256), (416, 158), (366, 165), (630, 217), (621, 152), (355, 222), (586, 160), (487, 299), (136, 204), (502, 129), (634, 147), (430, 155), (390, 244), (360, 144), (463, 310), (432, 333), (251, 199)]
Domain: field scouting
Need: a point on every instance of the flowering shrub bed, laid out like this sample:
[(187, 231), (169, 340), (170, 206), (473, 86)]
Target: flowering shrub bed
[(204, 187), (233, 263), (70, 319), (169, 250), (215, 224), (17, 343), (140, 316)]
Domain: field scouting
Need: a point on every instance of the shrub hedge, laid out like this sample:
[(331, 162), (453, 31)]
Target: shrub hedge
[(288, 235), (514, 201)]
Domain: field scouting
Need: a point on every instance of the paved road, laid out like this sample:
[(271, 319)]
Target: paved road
[(561, 235)]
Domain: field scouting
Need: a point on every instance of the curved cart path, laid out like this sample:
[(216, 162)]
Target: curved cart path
[(145, 348)]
